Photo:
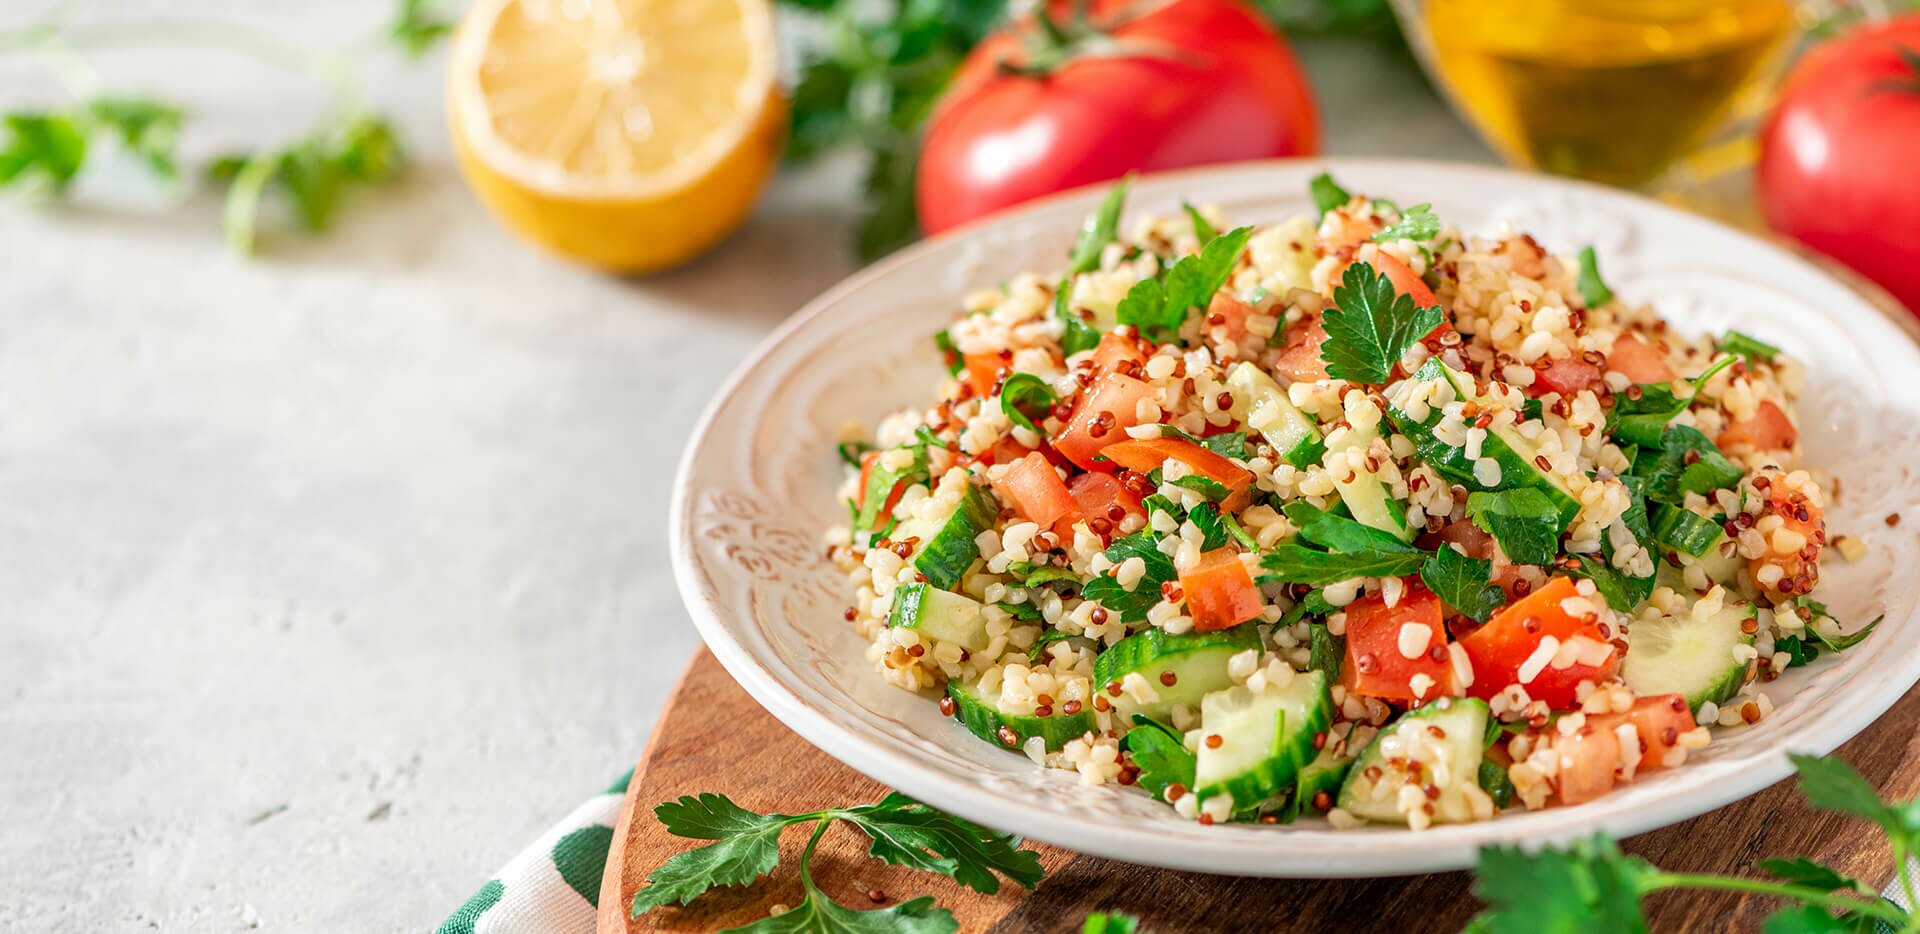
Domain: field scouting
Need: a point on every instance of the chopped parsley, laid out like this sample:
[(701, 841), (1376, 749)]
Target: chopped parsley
[(1525, 523), (1202, 229), (1132, 605), (1463, 582), (1327, 193), (1750, 347), (1160, 754), (1415, 223), (1026, 399), (949, 354), (1593, 291), (1159, 306), (1101, 228), (850, 451), (1371, 326)]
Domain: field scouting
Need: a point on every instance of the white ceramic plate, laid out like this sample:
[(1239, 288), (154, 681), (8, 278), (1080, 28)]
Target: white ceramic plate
[(756, 490)]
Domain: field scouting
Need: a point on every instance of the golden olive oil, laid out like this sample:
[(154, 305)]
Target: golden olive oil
[(1612, 90)]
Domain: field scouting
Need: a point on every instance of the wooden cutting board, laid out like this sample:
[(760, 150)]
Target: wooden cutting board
[(713, 737)]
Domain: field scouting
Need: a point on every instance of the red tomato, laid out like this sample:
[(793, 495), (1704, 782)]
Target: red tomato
[(1768, 430), (1115, 349), (1836, 155), (1375, 666), (1115, 394), (1220, 592), (1035, 492), (1231, 313), (1144, 456), (1174, 84), (1503, 646), (867, 461), (1095, 495), (983, 371), (1638, 360), (1566, 376), (1589, 763), (1658, 721), (1004, 451), (1300, 353)]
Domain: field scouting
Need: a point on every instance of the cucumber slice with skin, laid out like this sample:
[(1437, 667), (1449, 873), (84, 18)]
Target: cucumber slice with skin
[(1690, 657), (941, 615), (1449, 761), (1260, 404), (1685, 530), (947, 549), (1365, 495), (985, 719), (1266, 738), (1196, 661), (1323, 776), (1504, 445)]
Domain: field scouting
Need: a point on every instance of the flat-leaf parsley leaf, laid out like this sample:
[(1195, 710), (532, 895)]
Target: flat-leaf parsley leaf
[(1371, 325)]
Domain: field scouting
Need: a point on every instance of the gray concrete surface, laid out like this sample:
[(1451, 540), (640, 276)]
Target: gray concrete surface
[(333, 576)]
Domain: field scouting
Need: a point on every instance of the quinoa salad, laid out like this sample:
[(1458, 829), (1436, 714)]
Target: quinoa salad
[(1353, 515)]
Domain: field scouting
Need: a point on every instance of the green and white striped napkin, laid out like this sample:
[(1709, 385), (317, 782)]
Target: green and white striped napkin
[(553, 886)]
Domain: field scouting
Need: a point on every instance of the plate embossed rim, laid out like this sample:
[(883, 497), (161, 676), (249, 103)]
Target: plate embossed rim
[(758, 590)]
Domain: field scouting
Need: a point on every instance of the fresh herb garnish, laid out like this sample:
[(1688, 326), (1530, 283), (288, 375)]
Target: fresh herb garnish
[(1110, 923), (1593, 291), (1024, 612), (418, 26), (1132, 605), (1371, 326), (315, 172), (50, 148), (1592, 886), (1463, 582), (1341, 534), (1525, 523), (1640, 421), (1750, 347), (1160, 754), (1100, 228), (1159, 306), (1210, 489), (1202, 229), (1686, 462), (1293, 563), (1325, 651), (1415, 223), (1038, 649), (1026, 399), (1327, 193), (949, 353), (850, 451), (903, 832)]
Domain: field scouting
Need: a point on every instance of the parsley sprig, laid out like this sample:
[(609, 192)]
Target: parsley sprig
[(902, 831), (1371, 326), (1593, 886), (348, 147)]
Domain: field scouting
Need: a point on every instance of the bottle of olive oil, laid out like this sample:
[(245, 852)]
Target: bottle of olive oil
[(1611, 90)]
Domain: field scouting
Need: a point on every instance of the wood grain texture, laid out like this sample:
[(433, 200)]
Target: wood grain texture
[(713, 737)]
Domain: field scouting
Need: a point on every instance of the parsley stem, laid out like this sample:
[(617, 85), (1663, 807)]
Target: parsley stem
[(1901, 862), (806, 856), (1878, 908)]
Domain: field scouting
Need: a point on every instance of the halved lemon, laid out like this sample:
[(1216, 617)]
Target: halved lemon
[(630, 135)]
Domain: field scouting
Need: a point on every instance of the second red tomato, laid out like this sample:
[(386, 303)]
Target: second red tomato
[(1167, 85)]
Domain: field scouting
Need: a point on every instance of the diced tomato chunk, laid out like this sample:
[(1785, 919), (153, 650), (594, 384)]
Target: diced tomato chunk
[(1005, 451), (1034, 491), (1475, 541), (1300, 360), (1638, 360), (1113, 350), (1220, 593), (1768, 430), (983, 371), (1232, 314), (1659, 722), (1404, 280), (867, 461), (1376, 667), (1565, 375), (1115, 395), (1146, 455), (1094, 496), (1505, 645), (1589, 763)]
